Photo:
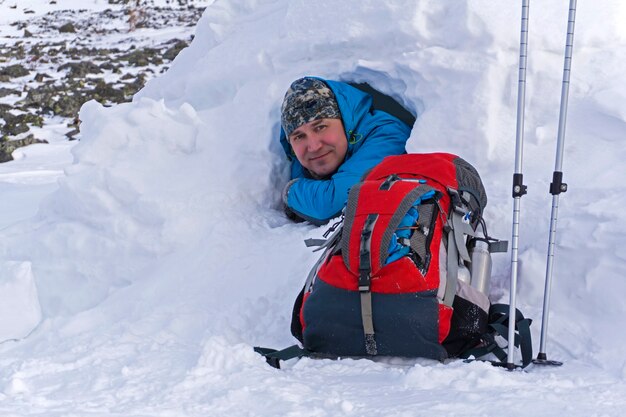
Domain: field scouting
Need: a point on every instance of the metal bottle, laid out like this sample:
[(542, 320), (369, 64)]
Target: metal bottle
[(481, 266)]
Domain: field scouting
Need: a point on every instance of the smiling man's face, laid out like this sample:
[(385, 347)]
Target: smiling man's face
[(320, 146)]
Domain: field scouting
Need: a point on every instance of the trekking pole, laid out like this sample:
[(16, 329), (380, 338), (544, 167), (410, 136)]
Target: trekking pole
[(519, 189), (557, 186)]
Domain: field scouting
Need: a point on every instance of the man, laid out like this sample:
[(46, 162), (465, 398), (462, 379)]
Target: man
[(336, 136)]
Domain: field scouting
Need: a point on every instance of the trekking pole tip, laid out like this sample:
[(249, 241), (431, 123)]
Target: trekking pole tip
[(542, 359)]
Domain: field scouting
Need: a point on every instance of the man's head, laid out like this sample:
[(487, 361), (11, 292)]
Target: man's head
[(312, 122)]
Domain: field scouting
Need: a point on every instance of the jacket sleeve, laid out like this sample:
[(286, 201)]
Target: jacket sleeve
[(318, 201)]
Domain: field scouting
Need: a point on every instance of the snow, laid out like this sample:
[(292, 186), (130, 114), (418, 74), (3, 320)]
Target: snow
[(138, 272)]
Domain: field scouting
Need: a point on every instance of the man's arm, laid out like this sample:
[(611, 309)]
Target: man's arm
[(318, 201)]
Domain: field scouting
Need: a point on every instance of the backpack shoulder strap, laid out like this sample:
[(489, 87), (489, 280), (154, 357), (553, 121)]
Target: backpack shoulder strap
[(381, 101)]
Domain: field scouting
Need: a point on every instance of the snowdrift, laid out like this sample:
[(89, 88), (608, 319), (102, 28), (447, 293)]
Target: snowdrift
[(164, 255)]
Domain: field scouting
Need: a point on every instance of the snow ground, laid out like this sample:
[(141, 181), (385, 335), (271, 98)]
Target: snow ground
[(161, 256)]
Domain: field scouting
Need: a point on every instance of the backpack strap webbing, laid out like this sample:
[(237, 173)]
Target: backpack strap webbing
[(328, 245), (420, 239), (365, 271), (498, 325), (458, 228), (452, 270), (273, 356), (457, 253)]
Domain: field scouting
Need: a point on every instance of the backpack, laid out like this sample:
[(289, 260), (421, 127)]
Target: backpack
[(388, 280), (403, 272)]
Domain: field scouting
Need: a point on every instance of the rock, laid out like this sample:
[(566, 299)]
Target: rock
[(68, 106), (67, 28), (16, 125), (14, 71), (131, 88), (19, 52), (15, 129), (80, 69), (172, 52), (7, 92), (27, 34), (108, 93), (35, 52), (41, 97), (106, 53), (143, 57), (8, 146), (71, 135), (61, 100), (31, 119), (74, 123), (110, 66), (40, 77), (7, 116)]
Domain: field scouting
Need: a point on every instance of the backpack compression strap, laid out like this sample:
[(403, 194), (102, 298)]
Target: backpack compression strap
[(458, 227), (328, 245), (365, 271)]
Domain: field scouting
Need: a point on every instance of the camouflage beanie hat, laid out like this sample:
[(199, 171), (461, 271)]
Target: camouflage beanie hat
[(306, 100)]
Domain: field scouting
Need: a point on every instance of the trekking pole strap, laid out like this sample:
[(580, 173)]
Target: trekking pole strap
[(273, 356), (489, 346), (522, 339), (499, 315)]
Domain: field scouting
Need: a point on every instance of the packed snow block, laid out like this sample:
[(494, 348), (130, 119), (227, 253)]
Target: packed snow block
[(20, 311)]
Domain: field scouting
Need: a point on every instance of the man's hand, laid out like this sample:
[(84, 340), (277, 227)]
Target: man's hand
[(288, 212)]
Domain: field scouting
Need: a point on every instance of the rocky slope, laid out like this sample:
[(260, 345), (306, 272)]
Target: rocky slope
[(64, 58)]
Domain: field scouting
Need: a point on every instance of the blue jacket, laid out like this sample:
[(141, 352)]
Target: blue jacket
[(372, 135)]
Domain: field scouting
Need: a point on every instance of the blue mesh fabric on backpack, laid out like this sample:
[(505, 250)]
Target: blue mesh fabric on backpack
[(396, 249)]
